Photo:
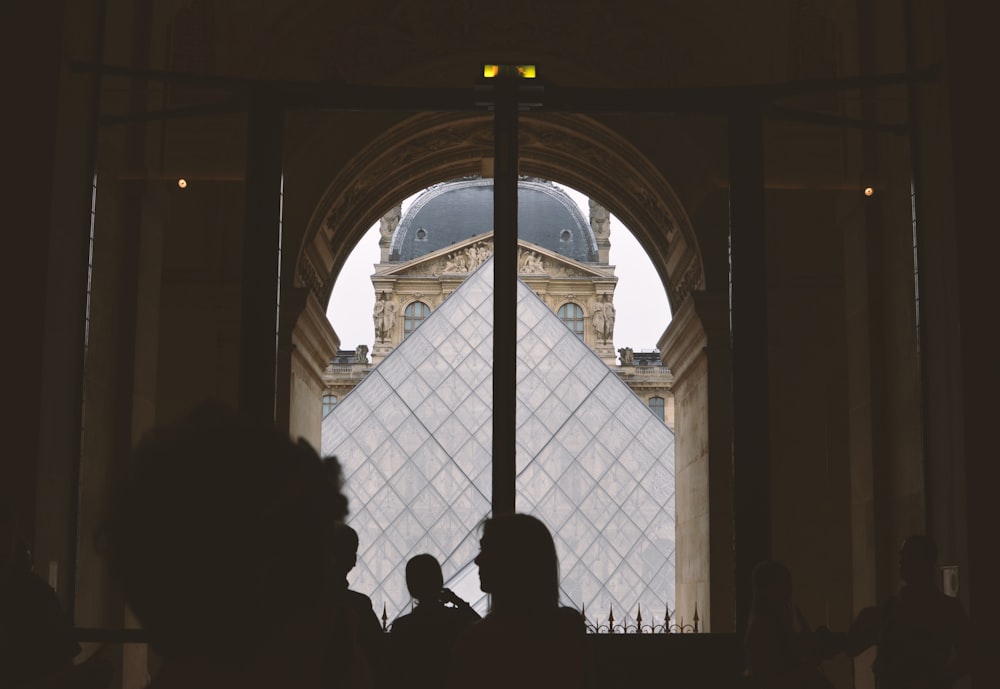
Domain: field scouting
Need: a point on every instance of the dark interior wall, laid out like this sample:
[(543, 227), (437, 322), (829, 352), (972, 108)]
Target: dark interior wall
[(27, 196), (201, 296), (810, 474), (975, 148)]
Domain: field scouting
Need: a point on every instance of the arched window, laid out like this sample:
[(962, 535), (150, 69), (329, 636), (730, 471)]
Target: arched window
[(329, 402), (572, 315), (656, 404), (414, 315)]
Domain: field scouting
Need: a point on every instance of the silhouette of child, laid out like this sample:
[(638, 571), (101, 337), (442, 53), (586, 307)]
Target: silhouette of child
[(921, 634), (526, 640), (422, 641), (220, 541)]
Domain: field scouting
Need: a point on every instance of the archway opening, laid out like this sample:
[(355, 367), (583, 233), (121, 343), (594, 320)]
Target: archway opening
[(663, 225)]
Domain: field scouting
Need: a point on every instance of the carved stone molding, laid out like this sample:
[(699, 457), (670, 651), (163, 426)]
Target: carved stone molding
[(573, 149)]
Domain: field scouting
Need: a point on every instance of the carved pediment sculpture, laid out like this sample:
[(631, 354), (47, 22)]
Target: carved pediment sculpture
[(468, 258)]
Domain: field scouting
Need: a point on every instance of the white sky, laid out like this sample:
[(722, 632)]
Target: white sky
[(642, 311)]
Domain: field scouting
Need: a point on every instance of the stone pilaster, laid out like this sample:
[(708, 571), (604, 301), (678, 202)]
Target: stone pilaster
[(696, 348), (314, 344)]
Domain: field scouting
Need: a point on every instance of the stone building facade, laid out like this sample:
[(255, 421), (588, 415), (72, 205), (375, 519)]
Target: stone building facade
[(447, 234)]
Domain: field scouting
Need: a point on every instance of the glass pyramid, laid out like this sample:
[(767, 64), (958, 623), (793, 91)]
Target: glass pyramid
[(593, 462)]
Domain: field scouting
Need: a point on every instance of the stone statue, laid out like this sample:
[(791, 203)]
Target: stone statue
[(361, 354), (455, 264), (600, 220), (603, 319), (384, 317), (389, 223), (627, 357), (529, 262), (468, 259), (377, 315), (597, 319), (609, 319)]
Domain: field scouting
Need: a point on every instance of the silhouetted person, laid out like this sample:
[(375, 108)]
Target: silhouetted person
[(365, 626), (526, 639), (422, 641), (221, 543), (921, 634), (781, 651)]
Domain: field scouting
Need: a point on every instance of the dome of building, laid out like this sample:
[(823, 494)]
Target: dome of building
[(454, 211)]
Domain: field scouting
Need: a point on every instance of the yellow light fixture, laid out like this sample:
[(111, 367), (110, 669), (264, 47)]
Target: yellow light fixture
[(182, 183), (869, 191), (520, 71)]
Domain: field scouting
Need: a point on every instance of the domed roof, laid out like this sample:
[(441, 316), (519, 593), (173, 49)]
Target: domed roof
[(454, 211)]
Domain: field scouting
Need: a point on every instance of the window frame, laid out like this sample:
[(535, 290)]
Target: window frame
[(575, 321), (411, 321)]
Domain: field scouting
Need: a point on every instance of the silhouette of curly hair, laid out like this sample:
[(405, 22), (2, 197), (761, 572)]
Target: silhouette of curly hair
[(222, 533)]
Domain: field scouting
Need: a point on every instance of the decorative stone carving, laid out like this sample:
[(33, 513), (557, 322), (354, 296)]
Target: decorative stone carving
[(529, 262), (600, 220), (690, 280), (468, 259), (309, 277), (384, 316), (627, 356), (361, 354), (438, 141), (603, 319), (388, 223)]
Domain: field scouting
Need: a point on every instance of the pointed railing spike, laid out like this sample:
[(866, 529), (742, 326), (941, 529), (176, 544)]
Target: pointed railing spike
[(638, 620), (695, 617), (385, 619)]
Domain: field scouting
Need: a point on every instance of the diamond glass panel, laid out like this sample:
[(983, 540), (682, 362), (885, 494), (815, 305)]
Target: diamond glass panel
[(593, 462)]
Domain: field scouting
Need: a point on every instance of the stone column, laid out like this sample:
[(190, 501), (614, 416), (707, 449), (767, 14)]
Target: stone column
[(696, 348), (312, 344), (751, 416)]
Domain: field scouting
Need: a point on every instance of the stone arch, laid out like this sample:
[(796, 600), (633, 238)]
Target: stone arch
[(595, 159), (434, 147)]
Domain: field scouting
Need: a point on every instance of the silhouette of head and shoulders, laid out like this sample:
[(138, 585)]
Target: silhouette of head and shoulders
[(527, 639), (220, 542), (437, 609), (423, 640), (354, 607), (921, 633), (345, 544)]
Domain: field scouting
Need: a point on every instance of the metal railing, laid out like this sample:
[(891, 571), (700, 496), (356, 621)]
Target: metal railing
[(666, 626)]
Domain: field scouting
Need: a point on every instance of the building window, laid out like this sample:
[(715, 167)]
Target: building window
[(656, 404), (414, 315), (572, 315), (329, 402)]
